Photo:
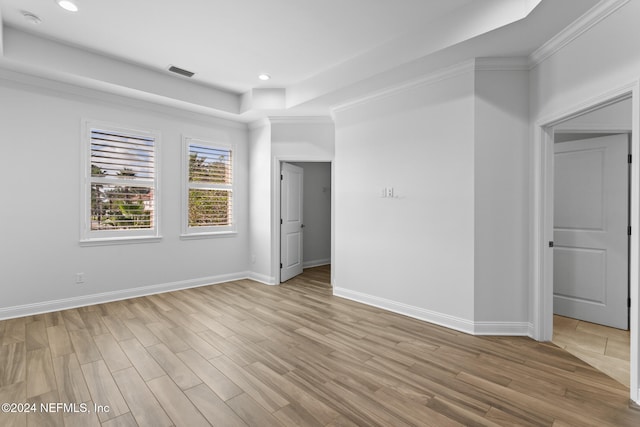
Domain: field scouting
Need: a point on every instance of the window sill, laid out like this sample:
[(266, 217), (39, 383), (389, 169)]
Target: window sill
[(105, 241), (208, 235)]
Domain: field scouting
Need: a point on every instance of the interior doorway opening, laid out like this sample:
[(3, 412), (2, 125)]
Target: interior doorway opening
[(305, 242), (591, 242), (543, 230)]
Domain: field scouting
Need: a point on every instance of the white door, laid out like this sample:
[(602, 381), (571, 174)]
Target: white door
[(291, 225), (590, 257)]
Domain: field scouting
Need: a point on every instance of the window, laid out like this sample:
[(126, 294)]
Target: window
[(208, 195), (120, 194)]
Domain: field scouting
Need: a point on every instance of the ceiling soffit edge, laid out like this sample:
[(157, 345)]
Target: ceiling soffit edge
[(64, 62), (458, 26), (12, 73), (431, 78), (307, 120)]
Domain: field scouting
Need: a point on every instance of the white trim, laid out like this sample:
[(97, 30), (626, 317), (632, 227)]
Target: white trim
[(90, 237), (316, 263), (587, 106), (105, 297), (542, 226), (596, 128), (106, 241), (451, 322), (18, 74), (429, 79), (574, 30), (507, 63), (441, 319), (530, 330), (262, 278), (301, 120), (634, 247), (209, 231), (501, 328), (209, 235)]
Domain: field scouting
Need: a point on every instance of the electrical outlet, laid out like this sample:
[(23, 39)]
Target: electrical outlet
[(79, 278)]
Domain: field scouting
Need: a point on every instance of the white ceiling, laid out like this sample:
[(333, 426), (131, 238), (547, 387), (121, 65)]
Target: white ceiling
[(310, 48), (228, 43)]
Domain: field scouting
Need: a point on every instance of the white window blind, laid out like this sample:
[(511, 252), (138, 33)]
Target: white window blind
[(209, 187), (123, 181)]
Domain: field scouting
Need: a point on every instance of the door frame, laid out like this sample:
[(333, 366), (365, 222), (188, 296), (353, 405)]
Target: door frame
[(275, 207), (541, 272)]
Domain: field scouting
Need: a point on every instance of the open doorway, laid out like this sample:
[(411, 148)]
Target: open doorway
[(591, 241), (305, 219), (543, 233)]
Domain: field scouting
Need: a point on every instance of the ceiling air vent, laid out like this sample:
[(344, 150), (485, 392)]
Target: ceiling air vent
[(180, 71)]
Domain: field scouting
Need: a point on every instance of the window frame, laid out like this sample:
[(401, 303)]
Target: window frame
[(213, 231), (89, 237)]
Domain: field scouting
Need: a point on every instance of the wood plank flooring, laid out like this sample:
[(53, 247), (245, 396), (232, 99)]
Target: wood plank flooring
[(606, 349), (246, 354)]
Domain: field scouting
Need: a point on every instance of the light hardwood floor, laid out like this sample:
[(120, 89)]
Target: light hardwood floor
[(606, 349), (242, 353)]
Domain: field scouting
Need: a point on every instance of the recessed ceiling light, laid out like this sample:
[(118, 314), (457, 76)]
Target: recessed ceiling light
[(31, 18), (264, 77), (67, 5)]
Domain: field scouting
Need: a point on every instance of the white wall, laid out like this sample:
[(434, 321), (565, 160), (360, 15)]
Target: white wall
[(260, 202), (303, 138), (272, 141), (502, 198), (600, 61), (295, 139), (317, 213), (39, 166), (614, 117), (413, 253)]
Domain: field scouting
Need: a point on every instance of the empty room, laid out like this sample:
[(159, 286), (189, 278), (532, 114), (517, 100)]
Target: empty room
[(337, 213)]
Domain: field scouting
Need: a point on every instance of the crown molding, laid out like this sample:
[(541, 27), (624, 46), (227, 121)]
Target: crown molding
[(258, 124), (575, 30), (506, 63), (306, 120), (429, 79), (25, 78)]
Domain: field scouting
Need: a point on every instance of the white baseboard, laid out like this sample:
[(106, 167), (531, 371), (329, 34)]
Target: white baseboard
[(451, 322), (316, 263), (531, 331), (448, 321), (104, 297), (501, 328), (262, 278)]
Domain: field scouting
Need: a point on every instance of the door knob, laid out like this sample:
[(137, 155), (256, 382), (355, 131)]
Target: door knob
[(301, 225)]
